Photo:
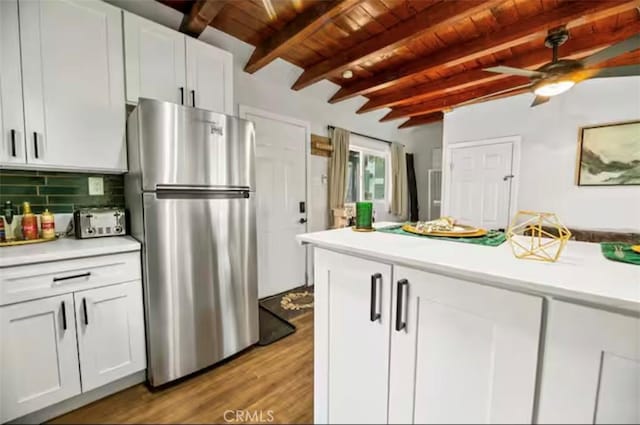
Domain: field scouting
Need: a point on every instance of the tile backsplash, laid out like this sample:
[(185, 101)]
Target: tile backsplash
[(60, 192)]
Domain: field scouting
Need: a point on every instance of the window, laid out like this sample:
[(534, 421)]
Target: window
[(367, 171)]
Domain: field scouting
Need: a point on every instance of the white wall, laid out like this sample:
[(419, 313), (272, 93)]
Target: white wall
[(549, 147), (270, 89)]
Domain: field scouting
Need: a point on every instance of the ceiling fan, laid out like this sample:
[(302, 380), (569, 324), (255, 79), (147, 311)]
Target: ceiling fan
[(560, 75)]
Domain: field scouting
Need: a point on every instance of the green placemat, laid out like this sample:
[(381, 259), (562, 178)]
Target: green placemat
[(493, 238), (627, 254)]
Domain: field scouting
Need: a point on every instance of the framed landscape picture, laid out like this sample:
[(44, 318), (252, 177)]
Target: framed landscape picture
[(609, 155)]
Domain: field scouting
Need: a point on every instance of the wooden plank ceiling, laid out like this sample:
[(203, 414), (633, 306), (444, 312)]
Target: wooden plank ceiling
[(418, 57)]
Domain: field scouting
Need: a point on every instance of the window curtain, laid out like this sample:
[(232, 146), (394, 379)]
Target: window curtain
[(338, 169), (399, 195)]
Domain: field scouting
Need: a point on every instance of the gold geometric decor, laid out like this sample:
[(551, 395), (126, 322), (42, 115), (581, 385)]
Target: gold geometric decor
[(537, 236)]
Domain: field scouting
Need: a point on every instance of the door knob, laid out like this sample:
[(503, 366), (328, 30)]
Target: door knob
[(507, 177), (302, 220)]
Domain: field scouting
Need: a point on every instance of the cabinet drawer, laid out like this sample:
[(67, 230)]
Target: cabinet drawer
[(33, 281)]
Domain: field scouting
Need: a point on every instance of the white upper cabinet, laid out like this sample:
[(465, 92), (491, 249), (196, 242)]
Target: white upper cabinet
[(12, 148), (38, 355), (155, 61), (591, 367), (461, 352), (73, 80), (353, 317), (209, 77), (110, 333)]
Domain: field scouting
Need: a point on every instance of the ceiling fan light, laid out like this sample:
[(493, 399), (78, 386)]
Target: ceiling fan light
[(553, 88)]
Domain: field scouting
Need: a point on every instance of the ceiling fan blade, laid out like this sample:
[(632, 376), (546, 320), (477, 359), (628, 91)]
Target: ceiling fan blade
[(515, 71), (625, 46), (618, 71), (496, 95), (539, 100)]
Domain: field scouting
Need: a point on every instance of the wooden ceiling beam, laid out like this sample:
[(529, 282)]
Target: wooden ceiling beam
[(446, 102), (422, 120), (202, 13), (575, 48), (430, 20), (301, 27), (467, 96), (570, 14)]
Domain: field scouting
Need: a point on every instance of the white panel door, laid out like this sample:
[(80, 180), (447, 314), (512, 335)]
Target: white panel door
[(280, 187), (591, 367), (480, 184), (209, 77), (111, 337), (38, 355), (73, 77), (461, 352), (155, 61), (352, 331), (12, 148)]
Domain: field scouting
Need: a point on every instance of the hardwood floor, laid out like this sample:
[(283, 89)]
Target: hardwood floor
[(276, 378)]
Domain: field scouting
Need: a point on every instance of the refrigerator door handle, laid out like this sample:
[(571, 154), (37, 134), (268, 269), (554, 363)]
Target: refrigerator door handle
[(196, 188)]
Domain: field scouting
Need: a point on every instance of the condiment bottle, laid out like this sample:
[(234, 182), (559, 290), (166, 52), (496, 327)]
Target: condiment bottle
[(29, 223), (48, 225), (2, 234), (10, 223)]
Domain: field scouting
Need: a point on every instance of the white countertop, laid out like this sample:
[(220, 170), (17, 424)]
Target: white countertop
[(581, 273), (65, 249)]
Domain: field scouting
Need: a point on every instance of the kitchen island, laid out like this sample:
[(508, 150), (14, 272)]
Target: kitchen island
[(419, 330)]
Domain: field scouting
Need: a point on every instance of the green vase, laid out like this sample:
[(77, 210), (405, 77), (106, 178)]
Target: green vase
[(364, 213)]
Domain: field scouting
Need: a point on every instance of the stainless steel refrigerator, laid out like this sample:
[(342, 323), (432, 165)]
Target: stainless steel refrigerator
[(190, 192)]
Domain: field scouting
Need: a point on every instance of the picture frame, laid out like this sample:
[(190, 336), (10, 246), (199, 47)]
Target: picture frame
[(609, 155)]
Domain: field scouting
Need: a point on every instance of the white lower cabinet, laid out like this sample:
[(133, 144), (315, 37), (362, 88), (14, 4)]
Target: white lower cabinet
[(38, 355), (59, 345), (443, 350), (110, 333), (352, 330), (591, 367), (461, 352)]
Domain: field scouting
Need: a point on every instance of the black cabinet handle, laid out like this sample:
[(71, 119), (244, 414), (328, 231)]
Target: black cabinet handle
[(35, 145), (13, 143), (193, 97), (84, 308), (302, 220), (373, 312), (75, 276), (400, 325), (64, 317), (182, 95)]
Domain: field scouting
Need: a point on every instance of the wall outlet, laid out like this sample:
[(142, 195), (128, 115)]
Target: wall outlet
[(96, 186)]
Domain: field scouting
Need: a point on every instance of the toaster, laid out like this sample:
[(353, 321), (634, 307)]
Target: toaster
[(99, 222)]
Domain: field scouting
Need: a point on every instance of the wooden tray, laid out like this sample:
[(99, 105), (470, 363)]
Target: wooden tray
[(27, 242), (472, 232), (362, 230)]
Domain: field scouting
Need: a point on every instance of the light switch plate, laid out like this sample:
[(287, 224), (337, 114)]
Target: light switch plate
[(96, 186)]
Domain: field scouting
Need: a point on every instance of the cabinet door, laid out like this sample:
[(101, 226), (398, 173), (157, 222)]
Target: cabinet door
[(73, 77), (209, 77), (110, 333), (351, 350), (155, 61), (461, 352), (38, 355), (591, 367), (12, 149)]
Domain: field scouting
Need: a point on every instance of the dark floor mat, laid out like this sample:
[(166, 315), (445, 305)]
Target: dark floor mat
[(272, 327), (275, 303)]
